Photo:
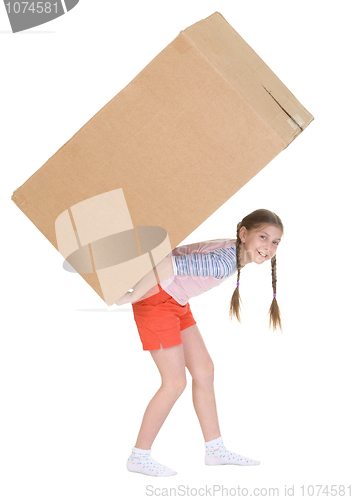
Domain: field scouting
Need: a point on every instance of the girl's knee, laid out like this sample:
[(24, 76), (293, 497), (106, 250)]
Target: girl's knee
[(204, 374), (175, 385)]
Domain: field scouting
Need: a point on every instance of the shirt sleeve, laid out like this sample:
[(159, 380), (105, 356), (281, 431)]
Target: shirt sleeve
[(218, 263)]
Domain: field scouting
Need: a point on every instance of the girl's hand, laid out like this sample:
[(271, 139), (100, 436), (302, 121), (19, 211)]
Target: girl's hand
[(126, 299), (163, 270)]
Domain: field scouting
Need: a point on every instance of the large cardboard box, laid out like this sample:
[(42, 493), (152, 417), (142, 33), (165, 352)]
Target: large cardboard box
[(193, 127)]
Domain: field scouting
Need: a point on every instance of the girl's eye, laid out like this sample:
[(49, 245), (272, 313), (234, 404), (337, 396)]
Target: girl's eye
[(273, 241)]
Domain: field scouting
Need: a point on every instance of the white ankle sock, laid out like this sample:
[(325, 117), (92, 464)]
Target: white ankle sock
[(142, 461), (217, 454)]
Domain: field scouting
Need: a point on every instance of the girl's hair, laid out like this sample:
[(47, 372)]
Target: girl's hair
[(254, 221)]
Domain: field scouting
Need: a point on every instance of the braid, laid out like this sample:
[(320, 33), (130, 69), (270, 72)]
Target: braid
[(238, 258), (274, 313), (274, 273), (235, 299)]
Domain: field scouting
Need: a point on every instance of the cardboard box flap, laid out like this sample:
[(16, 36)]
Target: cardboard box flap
[(239, 64)]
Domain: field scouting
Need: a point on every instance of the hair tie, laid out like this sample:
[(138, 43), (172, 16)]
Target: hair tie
[(237, 284), (274, 294)]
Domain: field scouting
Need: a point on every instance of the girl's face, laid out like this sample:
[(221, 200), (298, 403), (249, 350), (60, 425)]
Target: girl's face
[(259, 245)]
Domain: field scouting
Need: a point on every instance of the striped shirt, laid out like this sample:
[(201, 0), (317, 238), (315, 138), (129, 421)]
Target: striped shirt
[(198, 267), (218, 263)]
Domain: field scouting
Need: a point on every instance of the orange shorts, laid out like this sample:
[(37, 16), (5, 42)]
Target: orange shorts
[(160, 319)]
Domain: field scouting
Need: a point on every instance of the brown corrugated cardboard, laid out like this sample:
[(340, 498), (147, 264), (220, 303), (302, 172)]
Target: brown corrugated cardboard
[(193, 127)]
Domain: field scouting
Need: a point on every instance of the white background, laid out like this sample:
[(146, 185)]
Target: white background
[(75, 381)]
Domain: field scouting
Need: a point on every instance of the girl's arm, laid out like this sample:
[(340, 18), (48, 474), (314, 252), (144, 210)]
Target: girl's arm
[(164, 269)]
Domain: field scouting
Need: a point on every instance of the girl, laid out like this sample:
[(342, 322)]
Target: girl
[(168, 330)]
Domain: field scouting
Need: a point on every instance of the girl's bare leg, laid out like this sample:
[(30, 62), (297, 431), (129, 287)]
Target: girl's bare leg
[(171, 365), (201, 368)]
